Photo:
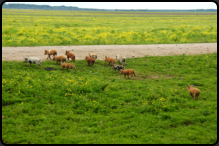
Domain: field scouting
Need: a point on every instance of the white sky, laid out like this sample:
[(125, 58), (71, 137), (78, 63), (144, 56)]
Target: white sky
[(131, 5)]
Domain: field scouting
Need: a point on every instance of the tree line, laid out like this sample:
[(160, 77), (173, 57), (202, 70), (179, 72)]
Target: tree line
[(47, 7)]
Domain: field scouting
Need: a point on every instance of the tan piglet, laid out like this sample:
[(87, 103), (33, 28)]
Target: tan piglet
[(194, 92)]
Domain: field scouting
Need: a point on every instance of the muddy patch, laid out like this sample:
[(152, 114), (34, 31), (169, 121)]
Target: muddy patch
[(188, 123), (143, 77), (49, 68)]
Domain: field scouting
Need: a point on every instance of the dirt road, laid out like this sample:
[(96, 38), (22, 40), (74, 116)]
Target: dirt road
[(17, 53)]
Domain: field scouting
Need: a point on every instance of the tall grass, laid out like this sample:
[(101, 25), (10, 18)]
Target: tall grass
[(43, 28), (96, 105)]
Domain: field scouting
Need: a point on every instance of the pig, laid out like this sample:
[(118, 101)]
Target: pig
[(110, 60), (50, 52), (59, 59), (90, 60), (194, 92), (33, 60), (68, 66), (117, 67), (128, 72), (70, 55), (93, 55), (121, 59)]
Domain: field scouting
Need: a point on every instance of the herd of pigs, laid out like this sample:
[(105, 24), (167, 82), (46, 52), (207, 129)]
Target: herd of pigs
[(91, 59)]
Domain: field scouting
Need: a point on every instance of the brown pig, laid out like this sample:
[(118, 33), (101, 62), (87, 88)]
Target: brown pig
[(59, 59), (70, 55), (68, 66), (90, 60), (128, 72), (50, 52), (110, 60), (194, 92)]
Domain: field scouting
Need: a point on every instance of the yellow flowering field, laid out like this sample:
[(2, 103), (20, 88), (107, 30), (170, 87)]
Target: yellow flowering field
[(49, 27)]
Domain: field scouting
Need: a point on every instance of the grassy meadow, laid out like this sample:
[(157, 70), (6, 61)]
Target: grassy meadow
[(43, 28), (97, 105)]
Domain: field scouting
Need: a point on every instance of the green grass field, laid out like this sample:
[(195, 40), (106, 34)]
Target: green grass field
[(48, 28), (96, 105)]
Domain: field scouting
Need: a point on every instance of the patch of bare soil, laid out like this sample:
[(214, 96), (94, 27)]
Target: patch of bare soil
[(128, 51), (188, 123), (142, 77)]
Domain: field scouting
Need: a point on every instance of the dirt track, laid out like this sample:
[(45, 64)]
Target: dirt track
[(17, 53)]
